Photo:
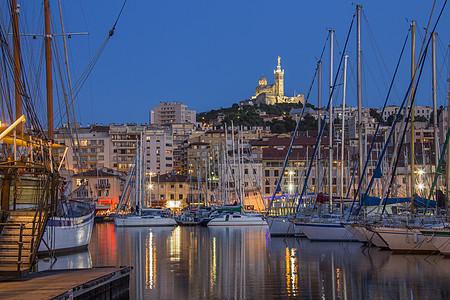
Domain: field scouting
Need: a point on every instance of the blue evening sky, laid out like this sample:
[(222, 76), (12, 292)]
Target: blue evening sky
[(210, 54)]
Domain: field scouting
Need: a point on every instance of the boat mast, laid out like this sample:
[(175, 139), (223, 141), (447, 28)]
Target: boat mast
[(359, 93), (17, 65), (48, 69), (413, 133), (319, 123), (330, 128), (448, 151), (242, 167), (343, 133), (435, 121), (225, 166)]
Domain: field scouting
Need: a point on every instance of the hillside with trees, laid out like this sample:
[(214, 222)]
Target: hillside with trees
[(275, 116)]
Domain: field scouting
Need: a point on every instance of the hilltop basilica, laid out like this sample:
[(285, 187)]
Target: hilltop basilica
[(272, 93)]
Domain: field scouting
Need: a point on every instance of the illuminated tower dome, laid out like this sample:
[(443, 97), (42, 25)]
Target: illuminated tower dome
[(262, 80)]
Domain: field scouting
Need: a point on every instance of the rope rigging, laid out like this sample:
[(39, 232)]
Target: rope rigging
[(319, 136), (87, 71)]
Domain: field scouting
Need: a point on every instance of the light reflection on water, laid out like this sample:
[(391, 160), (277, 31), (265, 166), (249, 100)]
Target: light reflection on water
[(220, 263)]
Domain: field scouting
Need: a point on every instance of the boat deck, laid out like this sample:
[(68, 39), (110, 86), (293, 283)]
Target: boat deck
[(67, 284)]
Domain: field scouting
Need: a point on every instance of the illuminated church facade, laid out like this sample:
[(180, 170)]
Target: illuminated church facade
[(272, 93)]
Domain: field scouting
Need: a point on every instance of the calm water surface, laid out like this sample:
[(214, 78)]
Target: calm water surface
[(230, 263)]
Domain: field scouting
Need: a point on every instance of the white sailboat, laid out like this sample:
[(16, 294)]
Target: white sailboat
[(364, 235), (440, 238), (329, 228), (283, 226), (140, 216), (325, 229), (237, 219), (405, 239)]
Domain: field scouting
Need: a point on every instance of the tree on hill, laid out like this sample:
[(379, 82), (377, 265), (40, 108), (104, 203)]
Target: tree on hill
[(375, 114), (308, 123), (282, 126), (249, 116)]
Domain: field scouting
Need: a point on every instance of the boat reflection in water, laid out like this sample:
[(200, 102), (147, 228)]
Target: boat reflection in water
[(231, 262), (79, 260)]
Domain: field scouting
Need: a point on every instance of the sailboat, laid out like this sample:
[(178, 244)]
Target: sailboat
[(329, 227), (133, 197), (36, 217), (234, 215), (410, 232)]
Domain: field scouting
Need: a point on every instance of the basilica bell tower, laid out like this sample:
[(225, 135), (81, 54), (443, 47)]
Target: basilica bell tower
[(279, 80)]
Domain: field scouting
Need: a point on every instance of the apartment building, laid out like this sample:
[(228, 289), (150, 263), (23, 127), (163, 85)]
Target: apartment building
[(419, 111), (174, 191), (158, 150), (94, 149), (104, 184), (181, 133), (124, 140), (168, 112)]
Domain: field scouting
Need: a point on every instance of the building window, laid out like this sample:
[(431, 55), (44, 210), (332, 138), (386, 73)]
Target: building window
[(172, 197), (267, 173), (102, 182), (99, 193), (246, 171), (172, 186), (180, 197), (180, 186)]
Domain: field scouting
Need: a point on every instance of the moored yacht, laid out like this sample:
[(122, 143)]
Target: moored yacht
[(325, 229), (148, 217), (236, 219), (283, 226), (440, 238), (405, 239)]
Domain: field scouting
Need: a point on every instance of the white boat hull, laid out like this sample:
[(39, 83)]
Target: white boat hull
[(370, 236), (142, 221), (440, 239), (282, 226), (405, 240), (325, 231), (237, 220), (355, 233), (64, 234)]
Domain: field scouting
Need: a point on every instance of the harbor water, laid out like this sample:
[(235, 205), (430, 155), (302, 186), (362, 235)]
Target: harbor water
[(246, 263)]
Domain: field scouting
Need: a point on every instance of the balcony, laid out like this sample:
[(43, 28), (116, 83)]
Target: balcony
[(102, 186)]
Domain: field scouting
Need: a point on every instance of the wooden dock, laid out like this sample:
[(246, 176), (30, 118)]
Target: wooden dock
[(98, 283)]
